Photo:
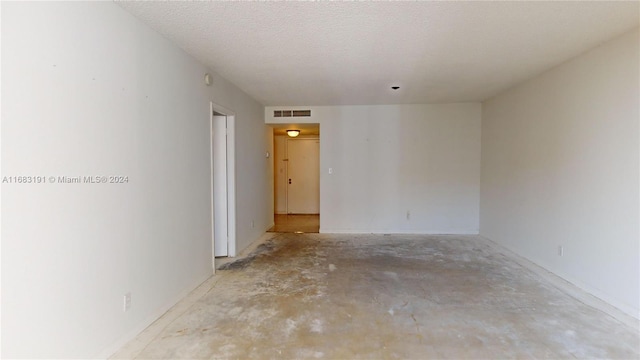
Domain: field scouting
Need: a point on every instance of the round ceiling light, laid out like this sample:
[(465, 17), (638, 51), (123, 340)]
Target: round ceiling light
[(293, 133)]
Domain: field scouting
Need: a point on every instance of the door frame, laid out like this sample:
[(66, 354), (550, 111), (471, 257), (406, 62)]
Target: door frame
[(231, 183)]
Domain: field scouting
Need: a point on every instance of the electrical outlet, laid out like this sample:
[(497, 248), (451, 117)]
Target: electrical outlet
[(408, 215), (127, 302), (252, 224), (560, 250)]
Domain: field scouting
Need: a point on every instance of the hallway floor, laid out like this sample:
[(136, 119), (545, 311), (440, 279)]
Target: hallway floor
[(381, 297), (296, 223)]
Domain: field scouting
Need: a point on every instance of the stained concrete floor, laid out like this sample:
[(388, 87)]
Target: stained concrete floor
[(382, 297)]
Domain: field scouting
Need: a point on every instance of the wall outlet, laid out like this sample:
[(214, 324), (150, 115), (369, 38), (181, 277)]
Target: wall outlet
[(127, 302), (560, 250), (408, 215), (253, 224)]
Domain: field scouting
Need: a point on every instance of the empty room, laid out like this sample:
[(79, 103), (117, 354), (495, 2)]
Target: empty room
[(320, 180)]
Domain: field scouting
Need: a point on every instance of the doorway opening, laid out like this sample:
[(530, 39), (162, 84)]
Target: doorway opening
[(296, 179), (222, 182)]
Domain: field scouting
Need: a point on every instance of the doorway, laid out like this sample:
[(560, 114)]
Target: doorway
[(297, 179), (222, 182)]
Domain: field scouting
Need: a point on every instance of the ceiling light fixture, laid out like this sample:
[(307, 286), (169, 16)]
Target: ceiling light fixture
[(293, 133)]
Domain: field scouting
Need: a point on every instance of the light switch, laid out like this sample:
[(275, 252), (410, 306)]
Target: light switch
[(330, 170)]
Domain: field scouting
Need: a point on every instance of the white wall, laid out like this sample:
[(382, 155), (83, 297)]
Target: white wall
[(280, 176), (89, 90), (560, 165), (271, 208), (388, 160)]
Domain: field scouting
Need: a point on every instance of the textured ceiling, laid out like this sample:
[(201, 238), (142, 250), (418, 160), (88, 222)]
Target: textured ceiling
[(336, 53)]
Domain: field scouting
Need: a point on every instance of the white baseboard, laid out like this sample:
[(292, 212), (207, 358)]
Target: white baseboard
[(129, 345), (150, 321), (575, 289)]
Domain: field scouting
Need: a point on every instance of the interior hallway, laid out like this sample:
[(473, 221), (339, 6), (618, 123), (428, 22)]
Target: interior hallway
[(374, 296), (296, 223)]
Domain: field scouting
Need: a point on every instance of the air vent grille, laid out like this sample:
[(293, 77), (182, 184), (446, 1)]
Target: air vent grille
[(290, 113), (302, 113)]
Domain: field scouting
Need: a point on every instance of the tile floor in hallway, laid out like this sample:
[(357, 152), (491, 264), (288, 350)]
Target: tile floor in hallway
[(381, 297), (296, 223)]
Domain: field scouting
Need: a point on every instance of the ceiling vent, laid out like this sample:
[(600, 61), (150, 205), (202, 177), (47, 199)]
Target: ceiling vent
[(290, 113)]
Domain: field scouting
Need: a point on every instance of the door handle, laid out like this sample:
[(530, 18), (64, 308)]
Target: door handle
[(289, 181)]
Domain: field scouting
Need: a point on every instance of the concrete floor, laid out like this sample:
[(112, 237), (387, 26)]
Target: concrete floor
[(381, 297), (296, 223)]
